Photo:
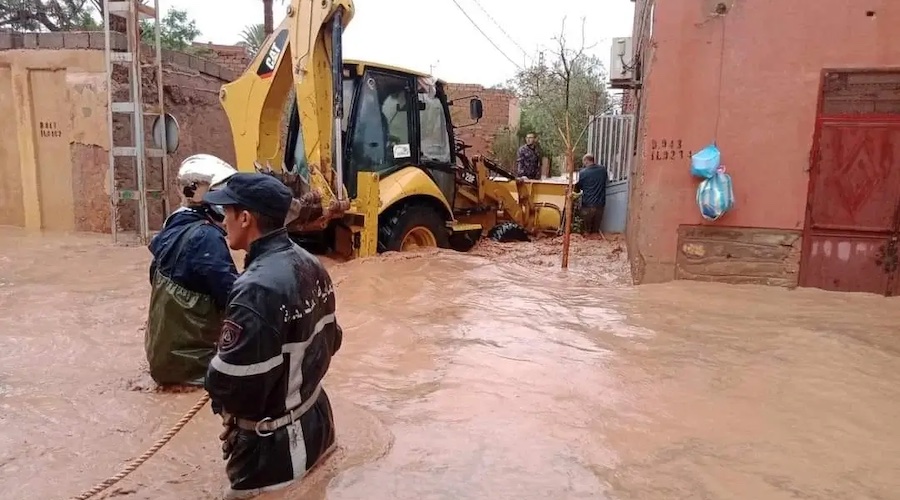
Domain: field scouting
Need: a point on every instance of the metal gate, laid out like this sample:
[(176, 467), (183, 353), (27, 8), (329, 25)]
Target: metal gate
[(853, 209), (610, 140), (850, 239)]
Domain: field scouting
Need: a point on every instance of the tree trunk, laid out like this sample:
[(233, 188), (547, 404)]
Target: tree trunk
[(569, 207), (268, 17)]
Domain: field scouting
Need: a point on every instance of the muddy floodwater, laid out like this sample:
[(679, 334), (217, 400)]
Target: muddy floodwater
[(491, 375)]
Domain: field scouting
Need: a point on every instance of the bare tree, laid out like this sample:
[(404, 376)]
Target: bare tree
[(551, 84)]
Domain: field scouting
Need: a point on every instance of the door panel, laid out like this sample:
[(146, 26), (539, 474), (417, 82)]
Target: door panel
[(856, 182), (852, 207), (846, 262)]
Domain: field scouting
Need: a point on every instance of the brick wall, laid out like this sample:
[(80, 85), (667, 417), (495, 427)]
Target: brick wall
[(234, 57), (96, 40), (501, 111)]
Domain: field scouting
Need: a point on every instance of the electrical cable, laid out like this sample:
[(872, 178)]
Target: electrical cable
[(511, 39), (486, 37)]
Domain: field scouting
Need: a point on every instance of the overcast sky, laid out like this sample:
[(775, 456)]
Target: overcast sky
[(417, 34)]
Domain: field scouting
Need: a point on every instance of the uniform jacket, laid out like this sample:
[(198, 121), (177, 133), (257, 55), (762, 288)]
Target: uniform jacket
[(205, 265), (276, 345), (191, 275)]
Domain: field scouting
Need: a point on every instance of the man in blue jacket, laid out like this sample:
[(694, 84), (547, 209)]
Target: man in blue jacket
[(592, 180), (191, 275)]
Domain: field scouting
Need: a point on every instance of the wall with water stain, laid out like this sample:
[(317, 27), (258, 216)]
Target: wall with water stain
[(45, 106), (54, 135), (748, 79)]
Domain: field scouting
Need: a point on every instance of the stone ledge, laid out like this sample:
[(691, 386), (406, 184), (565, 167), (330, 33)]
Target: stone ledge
[(96, 40)]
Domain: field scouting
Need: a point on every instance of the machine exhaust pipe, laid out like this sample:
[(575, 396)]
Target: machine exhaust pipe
[(337, 78)]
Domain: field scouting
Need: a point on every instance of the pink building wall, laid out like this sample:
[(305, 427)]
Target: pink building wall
[(756, 95)]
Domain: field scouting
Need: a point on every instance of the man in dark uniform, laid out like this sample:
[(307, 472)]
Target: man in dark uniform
[(191, 275), (276, 345), (528, 161), (592, 185)]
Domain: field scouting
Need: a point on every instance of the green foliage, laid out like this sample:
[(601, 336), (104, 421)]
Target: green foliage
[(561, 85), (48, 15), (177, 31), (253, 37), (503, 149)]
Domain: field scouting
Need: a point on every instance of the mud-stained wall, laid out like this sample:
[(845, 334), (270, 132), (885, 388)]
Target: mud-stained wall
[(748, 79), (738, 255), (54, 146), (36, 132), (12, 206)]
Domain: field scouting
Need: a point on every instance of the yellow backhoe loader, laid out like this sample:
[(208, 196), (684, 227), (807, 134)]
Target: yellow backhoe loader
[(369, 150)]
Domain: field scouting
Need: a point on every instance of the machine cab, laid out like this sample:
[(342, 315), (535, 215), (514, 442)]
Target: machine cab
[(391, 119)]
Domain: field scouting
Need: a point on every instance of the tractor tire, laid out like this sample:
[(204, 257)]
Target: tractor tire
[(507, 232), (412, 226), (465, 240)]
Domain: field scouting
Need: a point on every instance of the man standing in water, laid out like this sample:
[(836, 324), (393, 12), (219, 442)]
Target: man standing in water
[(528, 162), (191, 274), (275, 347), (591, 183)]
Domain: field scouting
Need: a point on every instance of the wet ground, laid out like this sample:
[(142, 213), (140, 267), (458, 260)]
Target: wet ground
[(490, 375)]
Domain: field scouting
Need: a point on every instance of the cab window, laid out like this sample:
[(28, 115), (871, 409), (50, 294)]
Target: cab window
[(381, 134), (433, 126)]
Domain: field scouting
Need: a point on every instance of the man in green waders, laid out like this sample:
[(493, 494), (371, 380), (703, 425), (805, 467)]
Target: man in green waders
[(191, 275)]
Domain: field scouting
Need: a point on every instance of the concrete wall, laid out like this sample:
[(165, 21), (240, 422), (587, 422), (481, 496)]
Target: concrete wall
[(750, 80), (54, 143), (501, 110)]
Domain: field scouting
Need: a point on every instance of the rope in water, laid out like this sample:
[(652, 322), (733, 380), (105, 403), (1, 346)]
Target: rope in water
[(134, 464)]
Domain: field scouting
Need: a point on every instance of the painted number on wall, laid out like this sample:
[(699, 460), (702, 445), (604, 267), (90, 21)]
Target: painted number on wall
[(668, 150), (50, 130)]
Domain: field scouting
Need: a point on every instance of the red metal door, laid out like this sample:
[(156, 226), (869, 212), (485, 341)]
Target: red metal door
[(850, 238)]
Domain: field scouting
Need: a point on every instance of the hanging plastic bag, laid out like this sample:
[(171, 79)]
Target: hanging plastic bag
[(715, 195), (705, 163)]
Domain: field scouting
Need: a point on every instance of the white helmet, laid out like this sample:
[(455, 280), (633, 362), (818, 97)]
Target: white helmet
[(202, 172)]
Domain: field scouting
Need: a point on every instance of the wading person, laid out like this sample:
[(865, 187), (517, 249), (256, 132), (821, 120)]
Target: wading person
[(190, 276), (528, 161), (592, 184), (276, 345)]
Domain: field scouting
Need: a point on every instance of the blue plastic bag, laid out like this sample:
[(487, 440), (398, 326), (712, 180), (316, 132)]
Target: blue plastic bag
[(705, 163), (715, 195)]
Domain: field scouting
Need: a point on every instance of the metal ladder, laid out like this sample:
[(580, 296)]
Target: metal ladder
[(134, 11)]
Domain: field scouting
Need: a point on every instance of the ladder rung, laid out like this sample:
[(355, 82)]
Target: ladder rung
[(131, 194), (121, 57), (132, 151), (123, 107), (145, 11), (126, 194), (128, 107)]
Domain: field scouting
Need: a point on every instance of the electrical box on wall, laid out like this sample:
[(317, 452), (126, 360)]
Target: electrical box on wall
[(621, 63)]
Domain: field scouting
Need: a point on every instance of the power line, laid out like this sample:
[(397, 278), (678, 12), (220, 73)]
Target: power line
[(511, 39), (486, 37)]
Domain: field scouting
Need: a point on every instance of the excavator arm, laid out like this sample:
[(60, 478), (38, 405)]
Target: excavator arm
[(304, 54)]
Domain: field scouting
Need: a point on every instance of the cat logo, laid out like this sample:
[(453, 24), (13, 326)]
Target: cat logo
[(267, 66)]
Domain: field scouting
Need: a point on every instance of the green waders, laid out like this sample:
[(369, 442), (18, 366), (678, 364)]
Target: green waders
[(182, 329)]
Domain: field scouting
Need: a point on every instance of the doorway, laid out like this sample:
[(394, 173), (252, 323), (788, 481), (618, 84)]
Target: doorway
[(853, 206)]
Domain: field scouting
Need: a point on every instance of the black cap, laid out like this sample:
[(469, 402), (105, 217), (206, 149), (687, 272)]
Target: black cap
[(259, 193)]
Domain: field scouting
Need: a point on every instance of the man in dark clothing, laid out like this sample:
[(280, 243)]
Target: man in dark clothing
[(592, 184), (191, 275), (276, 345), (528, 161)]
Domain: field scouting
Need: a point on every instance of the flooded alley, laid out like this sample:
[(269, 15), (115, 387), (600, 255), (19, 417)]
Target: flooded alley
[(491, 375)]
